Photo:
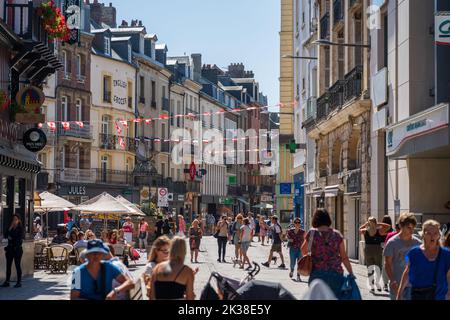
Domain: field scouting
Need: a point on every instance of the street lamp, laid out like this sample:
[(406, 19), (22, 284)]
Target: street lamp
[(288, 56), (325, 42)]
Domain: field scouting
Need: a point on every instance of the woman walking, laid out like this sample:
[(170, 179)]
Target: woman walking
[(327, 251), (222, 237), (245, 240), (13, 250), (195, 236), (374, 236), (143, 234), (387, 220), (181, 226), (128, 228), (295, 238), (172, 279), (158, 253), (428, 268), (236, 234), (257, 228), (263, 227)]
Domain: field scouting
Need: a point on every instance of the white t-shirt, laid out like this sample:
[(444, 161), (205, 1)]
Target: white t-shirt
[(149, 268), (116, 261), (246, 233)]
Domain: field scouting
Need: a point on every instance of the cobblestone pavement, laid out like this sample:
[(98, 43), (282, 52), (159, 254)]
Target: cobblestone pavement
[(46, 286)]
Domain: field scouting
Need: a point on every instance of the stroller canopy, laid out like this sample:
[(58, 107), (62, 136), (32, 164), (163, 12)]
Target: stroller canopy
[(263, 290)]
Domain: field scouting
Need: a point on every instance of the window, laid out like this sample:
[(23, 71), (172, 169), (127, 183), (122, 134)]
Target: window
[(163, 169), (64, 109), (154, 94), (105, 124), (79, 110), (78, 65), (104, 167), (130, 94), (66, 64), (163, 91), (179, 113), (107, 89), (141, 89), (107, 46)]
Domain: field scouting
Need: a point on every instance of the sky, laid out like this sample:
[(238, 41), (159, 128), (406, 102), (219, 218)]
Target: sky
[(223, 31)]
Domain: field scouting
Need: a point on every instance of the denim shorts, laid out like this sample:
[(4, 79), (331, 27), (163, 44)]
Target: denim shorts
[(245, 245)]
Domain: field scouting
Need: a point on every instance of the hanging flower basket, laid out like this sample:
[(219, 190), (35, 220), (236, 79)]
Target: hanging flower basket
[(53, 21)]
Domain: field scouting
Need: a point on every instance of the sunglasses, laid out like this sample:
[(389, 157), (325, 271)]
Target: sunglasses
[(163, 251)]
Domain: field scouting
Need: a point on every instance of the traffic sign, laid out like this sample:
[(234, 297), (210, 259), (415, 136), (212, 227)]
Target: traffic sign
[(163, 197)]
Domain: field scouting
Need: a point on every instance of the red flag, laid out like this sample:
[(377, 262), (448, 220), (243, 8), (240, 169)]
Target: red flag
[(66, 125), (51, 125), (80, 124), (138, 120), (148, 121), (40, 125), (124, 123), (122, 142)]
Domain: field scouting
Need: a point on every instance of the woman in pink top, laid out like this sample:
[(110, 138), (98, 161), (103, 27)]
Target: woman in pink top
[(143, 233), (181, 226)]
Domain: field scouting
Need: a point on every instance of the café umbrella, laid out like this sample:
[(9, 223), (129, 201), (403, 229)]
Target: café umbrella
[(48, 202), (104, 205), (132, 206)]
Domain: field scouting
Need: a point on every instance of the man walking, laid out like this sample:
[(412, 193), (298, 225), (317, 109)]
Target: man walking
[(276, 231), (395, 251)]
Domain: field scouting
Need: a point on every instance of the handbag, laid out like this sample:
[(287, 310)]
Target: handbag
[(430, 292), (304, 266), (350, 290)]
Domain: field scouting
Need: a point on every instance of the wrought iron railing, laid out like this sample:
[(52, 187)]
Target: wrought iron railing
[(114, 177), (19, 17), (323, 106), (311, 108), (108, 141), (78, 175), (75, 131), (353, 84), (336, 95)]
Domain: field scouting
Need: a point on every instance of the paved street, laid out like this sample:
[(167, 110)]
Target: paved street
[(45, 286)]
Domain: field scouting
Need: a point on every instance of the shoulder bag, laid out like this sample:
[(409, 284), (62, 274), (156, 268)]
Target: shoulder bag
[(304, 266)]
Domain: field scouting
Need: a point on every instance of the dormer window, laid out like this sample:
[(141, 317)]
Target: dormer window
[(107, 46)]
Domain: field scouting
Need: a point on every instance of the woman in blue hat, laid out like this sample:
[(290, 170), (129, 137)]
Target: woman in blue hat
[(93, 279)]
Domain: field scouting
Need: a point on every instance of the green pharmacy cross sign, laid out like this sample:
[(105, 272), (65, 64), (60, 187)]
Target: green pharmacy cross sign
[(292, 146)]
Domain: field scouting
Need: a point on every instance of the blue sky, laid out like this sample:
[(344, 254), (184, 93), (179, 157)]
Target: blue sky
[(223, 31)]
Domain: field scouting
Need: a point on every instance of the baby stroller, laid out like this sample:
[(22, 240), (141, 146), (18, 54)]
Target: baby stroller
[(245, 289)]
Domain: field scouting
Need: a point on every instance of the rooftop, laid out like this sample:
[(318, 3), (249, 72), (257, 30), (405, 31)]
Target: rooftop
[(116, 39)]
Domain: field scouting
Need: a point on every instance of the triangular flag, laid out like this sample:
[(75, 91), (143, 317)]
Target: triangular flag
[(66, 125), (80, 124), (124, 123), (147, 121), (51, 125)]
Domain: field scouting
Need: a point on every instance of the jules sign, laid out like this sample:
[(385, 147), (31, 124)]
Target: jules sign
[(442, 25)]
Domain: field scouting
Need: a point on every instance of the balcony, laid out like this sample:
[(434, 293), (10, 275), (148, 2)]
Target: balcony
[(111, 142), (81, 78), (78, 175), (353, 84), (113, 177), (25, 12), (165, 104), (338, 12), (323, 106), (325, 26), (75, 131), (130, 102), (67, 75), (153, 104), (107, 96), (142, 100), (336, 95)]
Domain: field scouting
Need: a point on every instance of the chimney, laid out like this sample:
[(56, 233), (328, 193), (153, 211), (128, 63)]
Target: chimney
[(197, 62), (140, 23)]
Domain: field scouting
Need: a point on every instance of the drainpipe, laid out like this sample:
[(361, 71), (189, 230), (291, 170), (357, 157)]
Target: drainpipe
[(396, 96)]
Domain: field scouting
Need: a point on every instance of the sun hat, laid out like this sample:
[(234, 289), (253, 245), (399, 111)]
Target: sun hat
[(96, 246)]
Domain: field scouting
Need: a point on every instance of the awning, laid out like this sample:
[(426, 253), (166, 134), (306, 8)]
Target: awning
[(240, 199), (19, 158), (423, 135), (332, 191), (316, 193)]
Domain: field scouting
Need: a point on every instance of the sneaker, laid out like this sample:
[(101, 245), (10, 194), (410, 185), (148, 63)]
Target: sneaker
[(224, 261), (5, 284), (386, 288), (298, 278), (218, 260), (18, 285), (282, 266), (265, 264), (241, 267), (291, 274)]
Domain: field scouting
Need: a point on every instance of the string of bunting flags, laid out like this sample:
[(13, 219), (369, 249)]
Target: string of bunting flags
[(67, 125)]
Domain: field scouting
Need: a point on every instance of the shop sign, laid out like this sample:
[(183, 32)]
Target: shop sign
[(72, 13), (180, 197), (265, 198), (442, 25), (285, 188), (77, 190), (232, 180), (226, 201), (34, 140), (192, 171), (31, 98), (423, 123)]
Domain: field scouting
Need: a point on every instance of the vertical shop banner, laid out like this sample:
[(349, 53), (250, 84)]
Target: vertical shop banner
[(72, 12), (442, 25)]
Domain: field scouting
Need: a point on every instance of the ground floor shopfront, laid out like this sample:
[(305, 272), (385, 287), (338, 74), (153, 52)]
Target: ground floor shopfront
[(18, 169)]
